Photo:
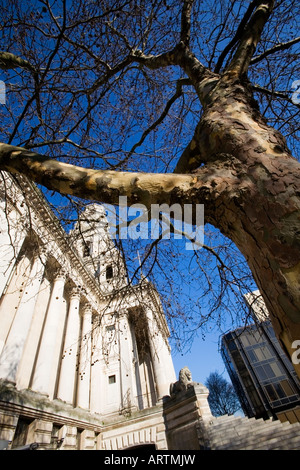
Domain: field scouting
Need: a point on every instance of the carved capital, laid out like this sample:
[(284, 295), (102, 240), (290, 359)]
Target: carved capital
[(59, 273), (86, 309), (75, 293)]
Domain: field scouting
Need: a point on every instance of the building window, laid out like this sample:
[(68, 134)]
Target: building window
[(20, 437), (271, 392), (112, 379), (97, 272), (287, 387), (109, 272), (110, 330), (87, 249)]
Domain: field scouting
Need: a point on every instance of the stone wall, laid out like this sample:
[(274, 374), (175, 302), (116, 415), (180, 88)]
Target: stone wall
[(27, 418), (190, 426), (181, 422)]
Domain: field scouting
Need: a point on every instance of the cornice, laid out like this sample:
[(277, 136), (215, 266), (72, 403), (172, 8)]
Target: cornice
[(40, 206)]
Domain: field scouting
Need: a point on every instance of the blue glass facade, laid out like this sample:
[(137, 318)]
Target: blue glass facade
[(261, 373)]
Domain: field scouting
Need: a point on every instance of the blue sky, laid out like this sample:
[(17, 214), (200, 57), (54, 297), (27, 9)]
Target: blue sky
[(202, 359)]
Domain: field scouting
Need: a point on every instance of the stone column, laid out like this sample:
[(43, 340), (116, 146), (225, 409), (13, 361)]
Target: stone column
[(8, 424), (84, 369), (96, 369), (68, 372), (135, 360), (162, 366), (26, 366), (40, 431), (12, 297), (12, 236), (43, 369), (128, 387), (13, 349)]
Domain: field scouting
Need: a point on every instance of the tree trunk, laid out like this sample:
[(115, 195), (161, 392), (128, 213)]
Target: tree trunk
[(253, 198)]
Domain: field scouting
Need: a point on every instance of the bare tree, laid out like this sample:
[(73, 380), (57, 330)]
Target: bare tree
[(167, 102), (222, 397)]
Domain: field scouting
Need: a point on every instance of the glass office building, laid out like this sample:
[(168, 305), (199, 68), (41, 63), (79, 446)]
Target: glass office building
[(260, 371)]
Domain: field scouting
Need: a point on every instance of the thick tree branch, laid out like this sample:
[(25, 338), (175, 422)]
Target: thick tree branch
[(11, 61), (156, 61), (100, 185), (186, 22), (239, 32), (189, 156), (242, 58)]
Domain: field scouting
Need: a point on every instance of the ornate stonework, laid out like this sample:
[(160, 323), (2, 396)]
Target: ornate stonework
[(67, 339)]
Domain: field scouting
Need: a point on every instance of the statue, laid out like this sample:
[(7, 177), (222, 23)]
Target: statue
[(184, 382)]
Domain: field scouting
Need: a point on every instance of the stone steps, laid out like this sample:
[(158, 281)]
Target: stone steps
[(240, 433)]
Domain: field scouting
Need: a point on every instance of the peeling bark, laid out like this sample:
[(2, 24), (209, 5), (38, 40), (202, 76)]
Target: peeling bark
[(100, 185), (260, 211)]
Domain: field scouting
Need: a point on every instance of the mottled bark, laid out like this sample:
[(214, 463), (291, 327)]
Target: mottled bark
[(256, 200), (99, 185)]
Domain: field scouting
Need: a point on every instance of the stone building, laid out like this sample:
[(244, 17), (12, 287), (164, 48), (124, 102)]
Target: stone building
[(85, 362), (75, 339)]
